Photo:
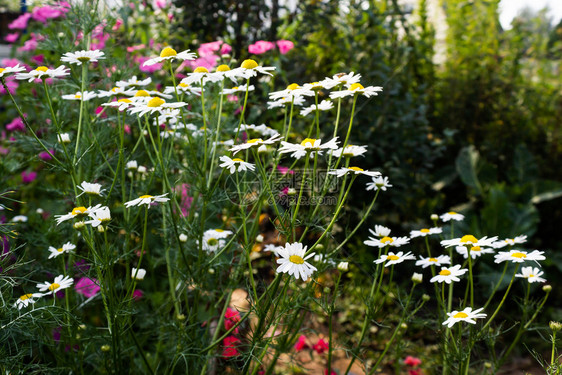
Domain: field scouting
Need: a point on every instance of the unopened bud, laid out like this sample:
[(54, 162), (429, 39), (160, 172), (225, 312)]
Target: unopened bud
[(434, 217), (79, 225), (180, 317), (101, 229), (555, 326), (259, 238), (425, 297), (291, 191), (183, 238), (547, 288), (105, 348), (417, 278), (343, 266)]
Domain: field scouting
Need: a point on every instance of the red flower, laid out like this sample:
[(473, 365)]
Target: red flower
[(301, 343), (232, 317), (321, 346), (412, 361), (229, 344), (415, 372)]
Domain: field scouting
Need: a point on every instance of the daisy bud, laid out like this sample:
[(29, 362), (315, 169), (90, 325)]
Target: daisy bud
[(130, 174), (60, 35), (259, 238), (183, 238), (319, 247), (63, 138), (39, 211), (555, 326), (434, 217), (262, 149), (343, 266), (101, 229), (82, 326), (547, 288), (141, 169), (487, 365), (180, 317), (404, 326), (417, 278), (211, 271), (79, 225), (138, 274), (425, 298), (105, 348), (291, 191)]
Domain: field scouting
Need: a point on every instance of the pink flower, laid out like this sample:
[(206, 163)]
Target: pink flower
[(229, 344), (285, 46), (16, 125), (20, 23), (117, 25), (301, 343), (138, 294), (87, 287), (331, 372), (38, 59), (206, 61), (42, 14), (415, 372), (44, 155), (29, 45), (232, 98), (261, 46), (100, 110), (285, 170), (412, 361), (11, 38), (28, 177), (147, 69), (160, 4), (321, 346), (10, 62)]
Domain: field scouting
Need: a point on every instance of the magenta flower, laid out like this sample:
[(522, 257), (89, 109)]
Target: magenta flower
[(38, 59), (87, 287), (285, 170), (12, 85), (30, 44), (45, 156), (16, 125), (285, 46), (42, 14), (20, 23), (148, 69), (28, 177), (11, 38), (301, 343), (261, 46), (138, 294), (10, 62)]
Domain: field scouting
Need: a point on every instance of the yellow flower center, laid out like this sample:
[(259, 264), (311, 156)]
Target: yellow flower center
[(433, 260), (201, 69), (469, 238), (212, 242), (124, 100), (460, 315), (519, 255), (238, 160), (168, 52), (60, 250), (115, 89), (292, 86), (356, 169), (235, 88), (83, 58), (77, 96), (424, 230), (26, 296), (387, 239), (308, 140), (183, 85), (2, 70), (475, 248), (249, 64), (155, 102), (142, 93), (356, 86), (255, 140), (392, 257), (445, 272), (42, 69), (145, 196), (54, 286), (78, 210), (221, 230), (223, 68), (296, 259), (452, 213), (531, 275)]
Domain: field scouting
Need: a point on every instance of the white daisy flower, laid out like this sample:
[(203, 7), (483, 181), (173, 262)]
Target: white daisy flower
[(218, 233), (235, 165), (144, 96), (170, 54), (392, 258), (273, 248), (417, 278), (88, 95), (293, 261), (99, 216), (452, 215), (343, 266), (90, 188), (262, 129), (201, 75), (324, 105), (134, 82), (256, 142), (308, 145), (77, 212), (439, 261), (519, 256), (470, 240), (26, 299), (214, 239), (467, 315), (449, 274), (132, 164), (147, 199), (340, 79), (356, 89), (475, 251), (19, 219), (183, 88), (531, 274), (293, 90), (237, 89), (425, 232), (42, 72), (510, 242), (296, 101), (13, 69), (224, 71), (115, 91), (379, 182), (154, 105), (121, 104), (349, 151), (138, 273), (80, 57), (352, 170), (63, 138), (61, 282), (387, 241), (66, 248), (250, 68), (380, 231)]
